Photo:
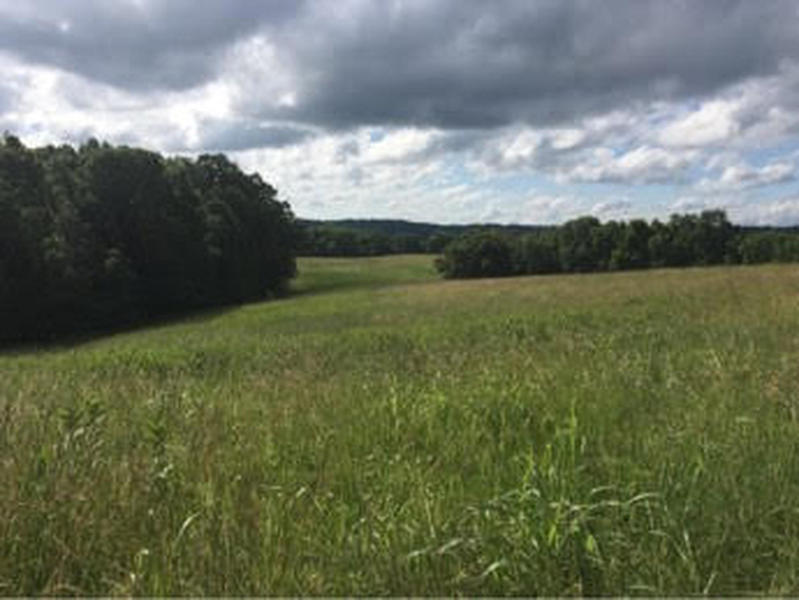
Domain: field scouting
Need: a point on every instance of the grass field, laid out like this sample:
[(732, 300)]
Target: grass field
[(385, 432)]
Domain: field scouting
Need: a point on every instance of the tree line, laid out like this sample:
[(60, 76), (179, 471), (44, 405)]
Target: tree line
[(331, 240), (102, 236), (373, 237), (586, 245)]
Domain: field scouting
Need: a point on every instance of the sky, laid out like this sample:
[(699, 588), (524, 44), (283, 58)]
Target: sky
[(447, 111)]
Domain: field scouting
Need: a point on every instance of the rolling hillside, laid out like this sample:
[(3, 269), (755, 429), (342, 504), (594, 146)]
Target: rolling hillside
[(385, 432)]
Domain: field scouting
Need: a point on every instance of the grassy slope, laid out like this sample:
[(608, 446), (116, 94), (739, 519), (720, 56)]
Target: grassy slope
[(624, 433)]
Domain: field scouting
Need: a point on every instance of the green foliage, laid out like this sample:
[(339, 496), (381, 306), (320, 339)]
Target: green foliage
[(480, 254), (536, 254), (387, 433), (334, 241), (102, 236), (762, 246), (375, 237), (585, 245), (579, 245), (331, 240)]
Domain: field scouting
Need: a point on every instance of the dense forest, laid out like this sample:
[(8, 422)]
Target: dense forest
[(586, 245), (103, 236), (373, 237)]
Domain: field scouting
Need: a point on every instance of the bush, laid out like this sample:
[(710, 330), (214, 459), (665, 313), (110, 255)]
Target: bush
[(482, 254)]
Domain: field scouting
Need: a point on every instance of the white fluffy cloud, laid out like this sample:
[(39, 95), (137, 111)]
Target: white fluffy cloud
[(743, 176), (713, 123), (782, 211), (758, 111), (644, 164)]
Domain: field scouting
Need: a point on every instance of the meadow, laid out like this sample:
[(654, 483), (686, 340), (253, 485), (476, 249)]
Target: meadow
[(385, 432)]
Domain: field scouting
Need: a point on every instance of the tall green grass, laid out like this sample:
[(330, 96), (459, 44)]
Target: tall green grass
[(383, 432)]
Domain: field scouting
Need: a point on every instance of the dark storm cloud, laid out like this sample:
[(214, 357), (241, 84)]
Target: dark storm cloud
[(227, 136), (456, 64), (134, 45), (462, 64)]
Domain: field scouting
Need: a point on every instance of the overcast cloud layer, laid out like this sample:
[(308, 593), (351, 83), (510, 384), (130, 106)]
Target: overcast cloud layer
[(451, 111)]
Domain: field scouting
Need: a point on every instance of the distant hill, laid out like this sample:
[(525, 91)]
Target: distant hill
[(373, 237), (399, 227)]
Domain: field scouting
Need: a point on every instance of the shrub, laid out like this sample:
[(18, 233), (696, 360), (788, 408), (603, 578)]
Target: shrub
[(482, 254)]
